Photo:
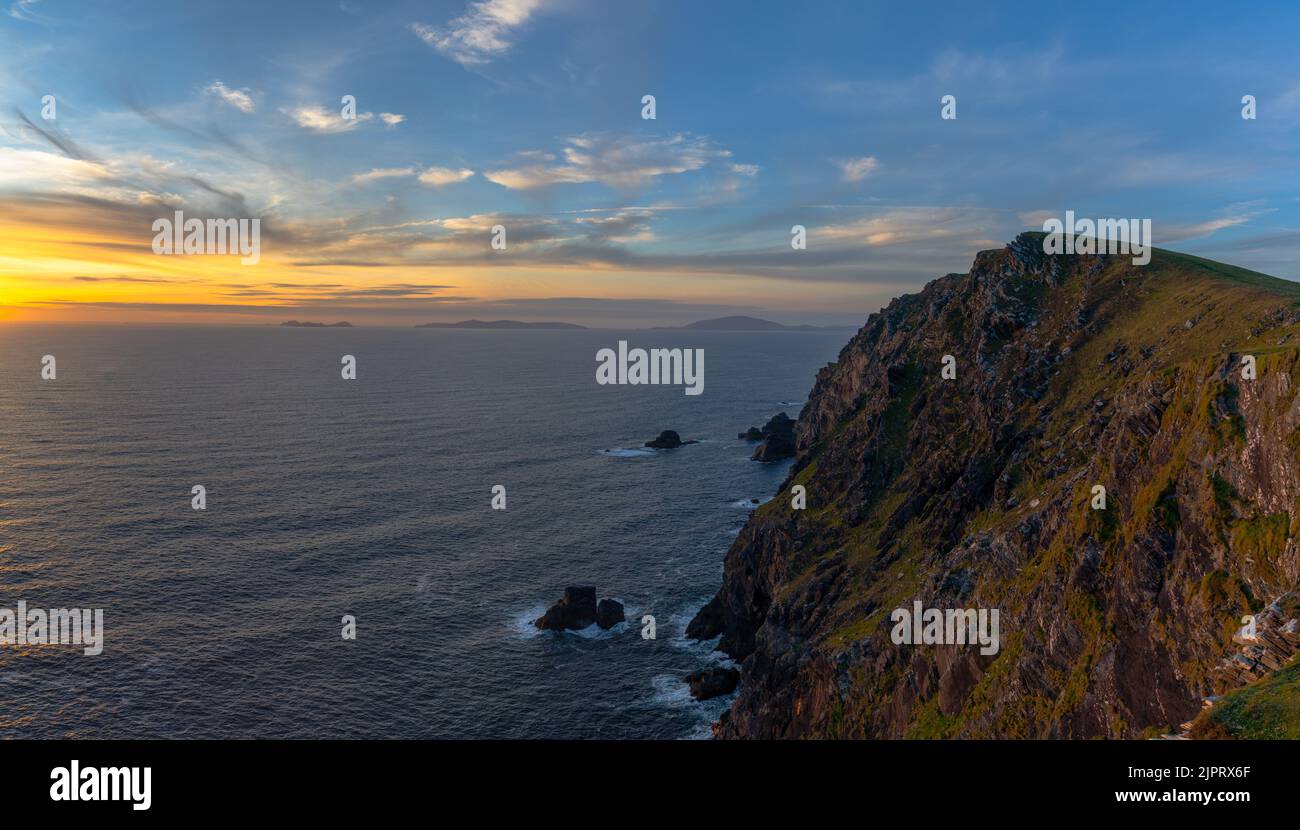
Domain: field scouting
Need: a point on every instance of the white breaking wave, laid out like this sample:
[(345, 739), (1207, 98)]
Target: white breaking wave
[(627, 452)]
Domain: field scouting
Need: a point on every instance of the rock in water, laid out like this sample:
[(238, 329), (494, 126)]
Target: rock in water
[(777, 436), (609, 613), (707, 683), (575, 610), (668, 440)]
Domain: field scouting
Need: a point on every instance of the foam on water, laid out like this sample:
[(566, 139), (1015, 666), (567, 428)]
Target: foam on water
[(523, 624), (627, 452)]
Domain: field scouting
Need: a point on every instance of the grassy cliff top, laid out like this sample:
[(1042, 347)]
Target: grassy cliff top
[(1267, 709)]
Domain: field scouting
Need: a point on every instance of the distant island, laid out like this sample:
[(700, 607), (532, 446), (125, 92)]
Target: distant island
[(294, 324), (741, 323), (498, 324)]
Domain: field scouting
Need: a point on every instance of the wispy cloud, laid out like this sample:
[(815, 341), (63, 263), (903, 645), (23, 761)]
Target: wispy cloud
[(442, 176), (1165, 234), (618, 161), (39, 170), (240, 99), (988, 75), (321, 120), (484, 32), (429, 177), (383, 173), (621, 226), (855, 170), (965, 227), (119, 278), (1167, 168), (22, 10)]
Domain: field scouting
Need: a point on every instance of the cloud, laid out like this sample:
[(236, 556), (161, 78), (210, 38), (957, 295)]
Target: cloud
[(429, 177), (391, 119), (22, 10), (442, 176), (375, 307), (319, 292), (1165, 234), (383, 173), (398, 290), (998, 75), (631, 225), (119, 278), (208, 134), (62, 143), (37, 169), (320, 120), (965, 227), (484, 32), (620, 162), (1173, 168), (855, 170), (240, 99)]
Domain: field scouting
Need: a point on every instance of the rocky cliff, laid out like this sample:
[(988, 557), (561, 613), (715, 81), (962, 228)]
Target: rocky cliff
[(978, 492)]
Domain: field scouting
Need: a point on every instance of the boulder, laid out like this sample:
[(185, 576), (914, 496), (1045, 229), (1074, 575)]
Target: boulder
[(575, 610), (609, 613), (707, 683)]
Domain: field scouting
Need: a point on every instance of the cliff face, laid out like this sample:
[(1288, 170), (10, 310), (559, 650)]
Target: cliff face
[(975, 492)]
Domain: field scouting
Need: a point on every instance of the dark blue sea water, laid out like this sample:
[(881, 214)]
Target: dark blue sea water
[(370, 497)]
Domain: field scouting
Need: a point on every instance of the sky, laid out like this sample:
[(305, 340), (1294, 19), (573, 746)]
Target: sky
[(528, 114)]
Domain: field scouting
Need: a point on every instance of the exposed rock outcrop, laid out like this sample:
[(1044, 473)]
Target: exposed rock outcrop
[(1265, 646), (712, 682), (575, 610), (777, 436), (609, 613), (708, 622), (578, 609), (668, 440)]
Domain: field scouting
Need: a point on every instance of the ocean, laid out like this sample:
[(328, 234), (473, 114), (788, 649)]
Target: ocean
[(371, 497)]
